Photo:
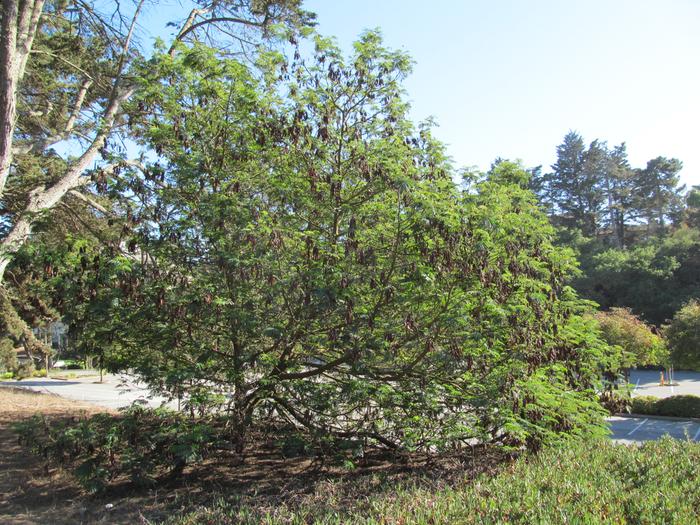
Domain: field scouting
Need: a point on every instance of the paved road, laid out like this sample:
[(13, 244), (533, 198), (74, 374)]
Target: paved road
[(120, 391), (639, 428), (114, 392), (646, 383)]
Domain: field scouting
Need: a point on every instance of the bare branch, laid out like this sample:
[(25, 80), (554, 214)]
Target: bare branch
[(90, 202), (46, 142)]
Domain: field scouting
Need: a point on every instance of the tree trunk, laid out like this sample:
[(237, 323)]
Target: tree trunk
[(20, 21), (42, 199), (8, 86)]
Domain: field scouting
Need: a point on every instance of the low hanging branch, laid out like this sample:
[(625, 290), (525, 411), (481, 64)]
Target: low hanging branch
[(14, 327)]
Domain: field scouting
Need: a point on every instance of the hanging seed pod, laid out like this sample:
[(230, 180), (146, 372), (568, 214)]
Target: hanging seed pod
[(349, 314), (352, 227)]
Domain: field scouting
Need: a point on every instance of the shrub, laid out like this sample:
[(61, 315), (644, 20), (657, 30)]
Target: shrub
[(361, 295), (616, 401), (674, 406), (683, 335), (641, 346), (24, 370), (141, 444), (8, 356)]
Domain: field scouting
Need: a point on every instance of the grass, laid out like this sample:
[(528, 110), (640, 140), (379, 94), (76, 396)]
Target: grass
[(586, 483)]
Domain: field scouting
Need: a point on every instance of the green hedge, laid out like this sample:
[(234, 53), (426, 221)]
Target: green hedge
[(676, 406)]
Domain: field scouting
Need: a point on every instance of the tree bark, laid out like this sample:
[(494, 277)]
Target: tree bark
[(42, 199), (19, 24), (8, 86)]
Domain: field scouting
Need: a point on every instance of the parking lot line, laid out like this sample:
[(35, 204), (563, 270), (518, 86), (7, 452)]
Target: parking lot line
[(637, 427), (697, 434)]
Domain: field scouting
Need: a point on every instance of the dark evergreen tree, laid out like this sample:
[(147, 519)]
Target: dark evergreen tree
[(572, 191), (618, 185), (658, 195)]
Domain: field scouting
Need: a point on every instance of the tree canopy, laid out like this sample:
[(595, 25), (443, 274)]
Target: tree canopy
[(300, 251)]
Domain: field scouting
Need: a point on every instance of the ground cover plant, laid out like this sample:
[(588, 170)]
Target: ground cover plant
[(596, 482), (586, 482), (140, 445)]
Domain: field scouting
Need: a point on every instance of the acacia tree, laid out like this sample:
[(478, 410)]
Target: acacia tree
[(305, 255)]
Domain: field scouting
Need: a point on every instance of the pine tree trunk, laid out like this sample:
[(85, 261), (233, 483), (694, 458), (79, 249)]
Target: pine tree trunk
[(19, 24), (8, 85)]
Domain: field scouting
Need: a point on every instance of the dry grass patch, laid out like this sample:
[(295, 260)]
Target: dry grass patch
[(30, 491)]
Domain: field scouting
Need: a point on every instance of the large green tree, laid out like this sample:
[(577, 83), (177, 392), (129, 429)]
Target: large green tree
[(304, 254)]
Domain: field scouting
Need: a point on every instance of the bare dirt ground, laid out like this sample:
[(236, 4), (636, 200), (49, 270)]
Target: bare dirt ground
[(31, 492)]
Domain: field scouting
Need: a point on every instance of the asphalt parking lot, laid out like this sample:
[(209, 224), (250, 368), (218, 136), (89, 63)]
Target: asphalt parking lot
[(646, 383), (636, 429), (121, 391)]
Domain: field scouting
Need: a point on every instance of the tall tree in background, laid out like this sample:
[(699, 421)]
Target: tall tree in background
[(591, 187), (659, 196), (594, 190), (561, 189), (618, 188), (572, 191)]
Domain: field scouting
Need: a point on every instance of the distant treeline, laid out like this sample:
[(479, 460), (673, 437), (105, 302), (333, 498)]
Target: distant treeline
[(636, 230)]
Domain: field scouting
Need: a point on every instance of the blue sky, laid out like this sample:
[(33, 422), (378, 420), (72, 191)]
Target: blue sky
[(509, 78)]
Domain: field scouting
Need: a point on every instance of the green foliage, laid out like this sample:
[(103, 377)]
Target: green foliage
[(301, 249), (8, 355), (139, 445), (683, 335), (654, 279), (597, 482), (659, 193), (24, 370), (692, 211), (15, 333), (641, 346), (595, 191), (675, 406)]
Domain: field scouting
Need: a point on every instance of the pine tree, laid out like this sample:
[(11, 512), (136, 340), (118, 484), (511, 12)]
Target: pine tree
[(573, 192), (619, 191), (658, 195)]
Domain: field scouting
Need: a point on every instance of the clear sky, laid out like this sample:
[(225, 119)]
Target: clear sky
[(509, 78)]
